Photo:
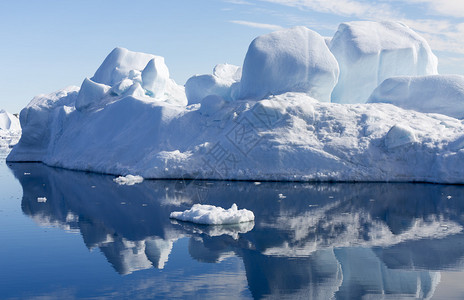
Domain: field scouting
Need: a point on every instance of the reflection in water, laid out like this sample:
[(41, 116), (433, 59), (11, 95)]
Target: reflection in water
[(321, 241)]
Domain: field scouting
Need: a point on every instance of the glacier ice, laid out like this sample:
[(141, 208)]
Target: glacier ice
[(443, 94), (290, 60), (370, 52)]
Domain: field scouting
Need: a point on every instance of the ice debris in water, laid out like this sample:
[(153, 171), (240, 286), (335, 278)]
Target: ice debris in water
[(41, 199), (128, 179), (214, 215)]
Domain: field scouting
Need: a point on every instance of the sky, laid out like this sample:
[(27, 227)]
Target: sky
[(47, 45)]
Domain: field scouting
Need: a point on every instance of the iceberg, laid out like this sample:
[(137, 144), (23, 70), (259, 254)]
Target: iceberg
[(370, 52), (213, 215), (443, 94), (270, 120), (10, 129)]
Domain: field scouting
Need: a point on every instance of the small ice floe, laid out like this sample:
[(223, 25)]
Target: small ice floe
[(41, 199), (214, 215), (282, 196), (448, 197), (27, 173), (128, 179)]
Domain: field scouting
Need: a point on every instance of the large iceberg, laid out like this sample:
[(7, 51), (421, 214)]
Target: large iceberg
[(133, 119), (10, 129), (442, 94), (370, 52)]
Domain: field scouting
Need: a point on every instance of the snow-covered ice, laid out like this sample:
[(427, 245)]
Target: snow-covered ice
[(289, 60), (270, 120), (223, 83), (120, 64), (128, 179), (213, 215), (10, 129), (443, 94), (370, 52), (90, 93)]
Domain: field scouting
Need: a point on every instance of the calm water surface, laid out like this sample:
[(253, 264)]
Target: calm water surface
[(92, 238)]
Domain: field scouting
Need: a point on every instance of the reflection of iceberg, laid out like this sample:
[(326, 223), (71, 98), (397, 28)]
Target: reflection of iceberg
[(125, 223), (217, 230), (321, 241), (365, 274), (129, 256), (319, 229)]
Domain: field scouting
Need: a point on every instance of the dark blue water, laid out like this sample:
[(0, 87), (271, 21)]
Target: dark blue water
[(92, 238)]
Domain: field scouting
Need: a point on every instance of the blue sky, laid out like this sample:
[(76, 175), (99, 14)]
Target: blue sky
[(49, 44)]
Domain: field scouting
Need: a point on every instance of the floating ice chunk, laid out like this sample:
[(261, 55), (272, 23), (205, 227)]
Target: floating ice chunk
[(155, 77), (282, 196), (90, 93), (442, 94), (291, 60), (213, 215), (399, 135), (128, 179), (119, 64), (41, 199), (370, 52)]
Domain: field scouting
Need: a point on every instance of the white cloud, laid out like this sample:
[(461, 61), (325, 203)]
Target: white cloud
[(442, 35), (360, 9), (257, 25), (239, 2), (452, 8)]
